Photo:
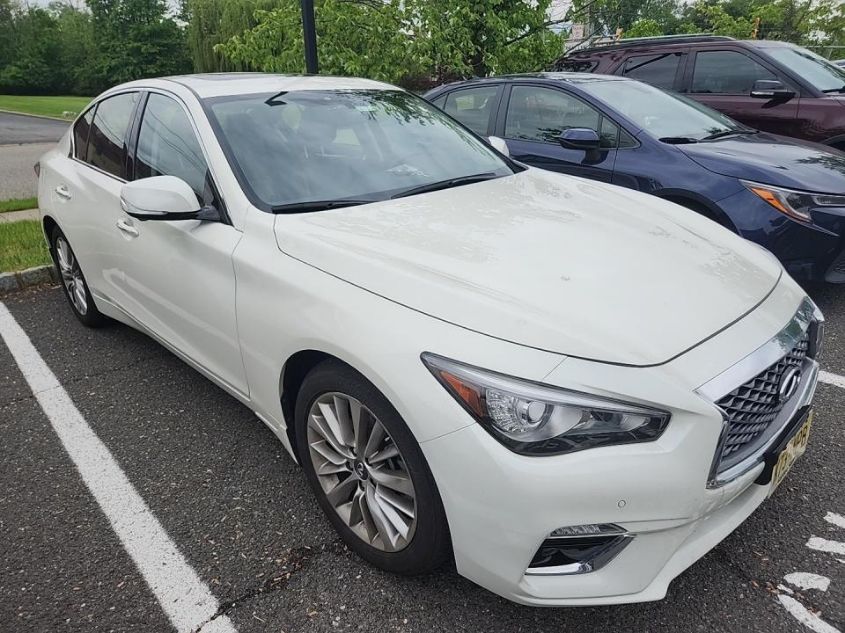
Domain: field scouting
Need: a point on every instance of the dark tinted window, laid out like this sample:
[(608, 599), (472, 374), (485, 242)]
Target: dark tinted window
[(541, 114), (472, 107), (576, 65), (726, 72), (440, 101), (80, 134), (168, 146), (106, 145), (657, 70)]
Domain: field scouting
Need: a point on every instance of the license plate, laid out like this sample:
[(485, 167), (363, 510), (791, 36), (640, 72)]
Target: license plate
[(791, 452)]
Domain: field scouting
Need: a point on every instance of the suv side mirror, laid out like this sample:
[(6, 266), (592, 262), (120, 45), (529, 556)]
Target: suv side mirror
[(770, 89), (162, 198), (499, 145), (580, 138)]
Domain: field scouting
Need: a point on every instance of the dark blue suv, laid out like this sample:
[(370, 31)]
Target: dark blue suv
[(784, 194)]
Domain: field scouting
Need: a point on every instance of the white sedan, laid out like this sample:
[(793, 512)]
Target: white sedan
[(573, 390)]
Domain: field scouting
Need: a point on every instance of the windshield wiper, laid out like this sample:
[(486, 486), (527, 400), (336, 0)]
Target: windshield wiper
[(317, 205), (724, 133), (446, 184), (832, 90), (678, 140)]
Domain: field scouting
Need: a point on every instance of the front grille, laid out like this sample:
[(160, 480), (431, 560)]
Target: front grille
[(752, 407)]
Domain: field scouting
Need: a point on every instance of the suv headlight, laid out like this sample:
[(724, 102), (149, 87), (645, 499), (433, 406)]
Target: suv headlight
[(795, 204), (535, 419)]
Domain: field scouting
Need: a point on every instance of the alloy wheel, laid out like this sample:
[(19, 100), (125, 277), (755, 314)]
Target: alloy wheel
[(361, 471), (71, 275)]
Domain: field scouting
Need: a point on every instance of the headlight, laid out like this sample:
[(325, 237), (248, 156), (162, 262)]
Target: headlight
[(795, 204), (535, 419)]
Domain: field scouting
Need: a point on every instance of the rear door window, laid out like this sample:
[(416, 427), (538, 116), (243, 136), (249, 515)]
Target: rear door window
[(726, 72), (80, 133), (472, 107), (657, 70), (107, 139)]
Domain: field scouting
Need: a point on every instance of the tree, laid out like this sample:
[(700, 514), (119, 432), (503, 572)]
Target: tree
[(403, 41), (135, 39)]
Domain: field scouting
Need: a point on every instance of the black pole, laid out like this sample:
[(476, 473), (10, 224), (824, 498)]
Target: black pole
[(309, 32)]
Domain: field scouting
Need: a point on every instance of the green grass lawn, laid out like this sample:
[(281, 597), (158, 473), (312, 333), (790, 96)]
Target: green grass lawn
[(22, 246), (47, 106), (17, 204)]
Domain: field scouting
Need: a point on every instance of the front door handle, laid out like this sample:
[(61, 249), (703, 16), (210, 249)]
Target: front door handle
[(63, 192), (126, 227)]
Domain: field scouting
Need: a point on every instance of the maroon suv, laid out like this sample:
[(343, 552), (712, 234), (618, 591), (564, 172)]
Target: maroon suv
[(768, 85)]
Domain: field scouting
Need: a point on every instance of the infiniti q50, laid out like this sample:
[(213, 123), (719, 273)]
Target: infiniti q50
[(571, 389)]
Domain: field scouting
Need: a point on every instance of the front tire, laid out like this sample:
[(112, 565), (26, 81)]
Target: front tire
[(73, 281), (368, 472)]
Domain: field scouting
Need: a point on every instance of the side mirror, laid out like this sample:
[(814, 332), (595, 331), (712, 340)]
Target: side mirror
[(160, 198), (580, 138), (770, 89), (499, 145)]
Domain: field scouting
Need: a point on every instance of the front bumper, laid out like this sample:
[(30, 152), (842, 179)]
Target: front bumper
[(502, 506), (810, 252)]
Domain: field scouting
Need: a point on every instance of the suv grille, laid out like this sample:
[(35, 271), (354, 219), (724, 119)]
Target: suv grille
[(752, 407)]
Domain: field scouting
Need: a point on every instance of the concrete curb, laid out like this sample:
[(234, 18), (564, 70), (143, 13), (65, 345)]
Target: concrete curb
[(37, 116), (9, 282)]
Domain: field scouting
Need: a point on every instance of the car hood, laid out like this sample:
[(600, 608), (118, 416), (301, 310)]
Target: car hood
[(545, 260), (773, 160)]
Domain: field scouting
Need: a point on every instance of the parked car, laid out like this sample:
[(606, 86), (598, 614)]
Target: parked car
[(784, 194), (574, 389), (768, 85)]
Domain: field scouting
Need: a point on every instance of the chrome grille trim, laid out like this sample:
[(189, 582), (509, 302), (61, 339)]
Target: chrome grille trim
[(749, 377)]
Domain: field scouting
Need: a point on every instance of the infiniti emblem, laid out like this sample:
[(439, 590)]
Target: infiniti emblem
[(789, 383), (360, 470)]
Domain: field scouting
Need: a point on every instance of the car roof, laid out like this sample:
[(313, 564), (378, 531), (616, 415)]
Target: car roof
[(669, 41), (206, 85), (560, 77)]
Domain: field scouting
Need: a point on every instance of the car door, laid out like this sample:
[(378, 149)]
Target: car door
[(474, 106), (179, 279), (87, 191), (535, 116), (723, 80)]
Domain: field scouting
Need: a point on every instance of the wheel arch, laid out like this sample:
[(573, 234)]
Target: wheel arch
[(48, 224), (294, 370), (699, 204)]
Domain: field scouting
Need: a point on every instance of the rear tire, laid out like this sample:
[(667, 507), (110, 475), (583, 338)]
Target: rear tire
[(384, 501), (73, 281)]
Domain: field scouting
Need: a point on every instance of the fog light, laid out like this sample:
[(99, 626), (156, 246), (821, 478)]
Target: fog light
[(578, 549)]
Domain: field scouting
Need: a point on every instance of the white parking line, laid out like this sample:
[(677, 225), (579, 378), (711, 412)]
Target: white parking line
[(184, 597), (805, 616), (832, 379), (824, 545)]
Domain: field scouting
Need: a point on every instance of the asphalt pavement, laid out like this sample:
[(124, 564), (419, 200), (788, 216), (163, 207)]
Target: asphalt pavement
[(240, 512), (20, 128), (23, 139)]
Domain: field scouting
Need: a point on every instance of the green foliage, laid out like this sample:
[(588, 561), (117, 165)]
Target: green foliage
[(18, 204), (807, 22), (43, 105), (22, 246), (64, 49), (403, 40), (644, 27)]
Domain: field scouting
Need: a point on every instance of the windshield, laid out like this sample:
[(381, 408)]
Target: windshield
[(662, 114), (345, 146), (814, 69)]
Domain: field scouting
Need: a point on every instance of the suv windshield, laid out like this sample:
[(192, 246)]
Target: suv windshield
[(662, 114), (814, 69), (313, 149)]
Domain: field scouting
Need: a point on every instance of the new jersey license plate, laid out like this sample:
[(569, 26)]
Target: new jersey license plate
[(791, 452)]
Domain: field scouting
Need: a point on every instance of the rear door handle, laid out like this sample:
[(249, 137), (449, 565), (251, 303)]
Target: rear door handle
[(127, 228), (63, 192)]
